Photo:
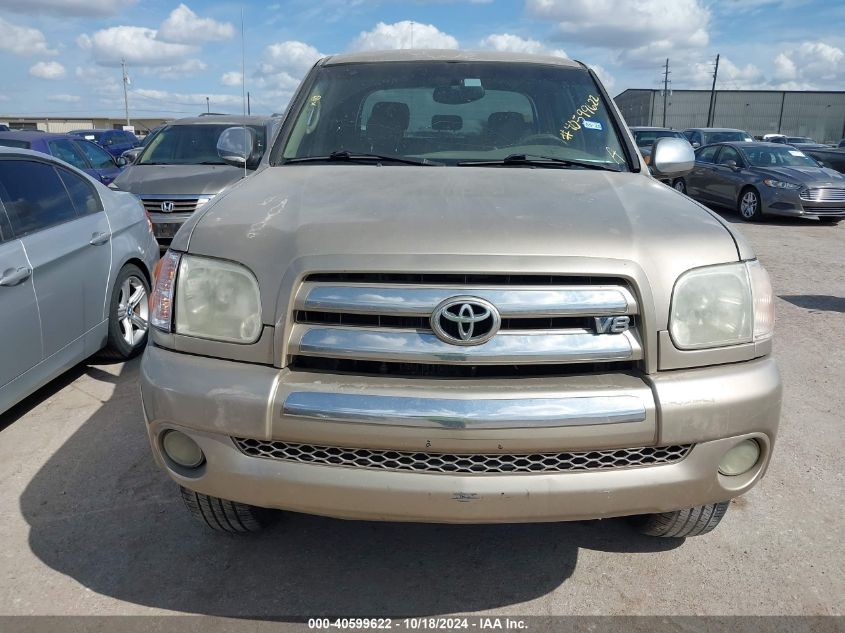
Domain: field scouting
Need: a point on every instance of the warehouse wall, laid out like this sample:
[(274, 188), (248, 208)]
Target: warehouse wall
[(819, 115)]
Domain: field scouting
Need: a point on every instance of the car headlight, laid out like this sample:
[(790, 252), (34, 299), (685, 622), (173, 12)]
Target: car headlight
[(722, 305), (214, 299), (780, 184)]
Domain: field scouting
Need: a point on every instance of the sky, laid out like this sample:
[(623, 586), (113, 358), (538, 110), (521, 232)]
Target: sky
[(62, 57)]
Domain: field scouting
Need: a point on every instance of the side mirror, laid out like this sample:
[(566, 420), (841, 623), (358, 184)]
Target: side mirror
[(671, 157), (236, 145), (696, 145), (731, 164), (121, 161)]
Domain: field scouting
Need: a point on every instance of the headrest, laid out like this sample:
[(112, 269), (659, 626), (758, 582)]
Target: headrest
[(390, 114)]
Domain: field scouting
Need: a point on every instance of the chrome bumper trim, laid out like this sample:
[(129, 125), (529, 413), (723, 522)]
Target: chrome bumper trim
[(510, 347), (464, 414), (422, 300)]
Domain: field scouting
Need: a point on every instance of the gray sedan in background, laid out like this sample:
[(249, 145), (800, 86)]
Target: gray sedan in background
[(765, 178), (76, 261)]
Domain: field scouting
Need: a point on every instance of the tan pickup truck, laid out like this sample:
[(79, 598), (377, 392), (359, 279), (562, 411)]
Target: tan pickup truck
[(452, 292)]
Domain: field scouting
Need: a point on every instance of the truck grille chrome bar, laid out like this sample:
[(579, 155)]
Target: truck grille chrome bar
[(463, 463), (823, 194), (538, 320), (464, 414), (508, 347)]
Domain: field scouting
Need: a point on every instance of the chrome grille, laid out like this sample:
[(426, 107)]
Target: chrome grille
[(463, 463), (545, 320), (823, 194), (180, 203)]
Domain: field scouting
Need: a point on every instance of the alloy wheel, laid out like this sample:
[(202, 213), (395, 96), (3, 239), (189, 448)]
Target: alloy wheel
[(133, 311)]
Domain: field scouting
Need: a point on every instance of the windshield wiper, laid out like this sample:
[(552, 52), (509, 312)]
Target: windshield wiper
[(347, 156), (531, 160)]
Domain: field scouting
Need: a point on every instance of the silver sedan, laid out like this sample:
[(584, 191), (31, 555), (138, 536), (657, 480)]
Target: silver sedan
[(765, 178), (76, 260)]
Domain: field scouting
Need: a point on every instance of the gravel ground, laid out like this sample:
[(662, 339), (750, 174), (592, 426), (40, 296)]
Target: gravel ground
[(90, 526)]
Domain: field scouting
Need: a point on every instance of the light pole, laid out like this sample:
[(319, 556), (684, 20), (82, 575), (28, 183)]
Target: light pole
[(207, 106)]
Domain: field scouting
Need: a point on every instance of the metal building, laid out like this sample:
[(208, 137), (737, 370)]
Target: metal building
[(819, 115)]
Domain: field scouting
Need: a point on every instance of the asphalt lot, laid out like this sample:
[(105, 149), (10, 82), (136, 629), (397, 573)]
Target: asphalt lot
[(90, 526)]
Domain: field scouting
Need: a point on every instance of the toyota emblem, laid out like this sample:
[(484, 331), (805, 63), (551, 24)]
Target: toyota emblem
[(465, 321)]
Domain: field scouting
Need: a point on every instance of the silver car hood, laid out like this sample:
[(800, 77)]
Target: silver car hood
[(177, 179), (285, 221), (810, 176)]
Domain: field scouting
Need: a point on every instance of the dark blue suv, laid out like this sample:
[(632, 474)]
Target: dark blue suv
[(115, 142), (82, 154)]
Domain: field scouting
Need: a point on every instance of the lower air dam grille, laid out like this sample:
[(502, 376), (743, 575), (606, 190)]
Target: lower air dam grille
[(467, 463)]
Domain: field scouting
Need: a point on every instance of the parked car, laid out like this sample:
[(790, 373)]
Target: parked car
[(830, 157), (645, 137), (841, 144), (801, 142), (78, 152), (76, 261), (451, 292), (707, 135), (758, 179), (179, 170), (115, 142)]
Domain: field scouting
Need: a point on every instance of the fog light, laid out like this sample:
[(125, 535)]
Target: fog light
[(182, 449), (740, 459)]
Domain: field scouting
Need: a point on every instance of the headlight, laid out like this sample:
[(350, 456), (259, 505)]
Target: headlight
[(728, 304), (214, 299), (779, 184)]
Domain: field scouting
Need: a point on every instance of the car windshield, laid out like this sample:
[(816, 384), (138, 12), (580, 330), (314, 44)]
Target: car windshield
[(725, 137), (89, 135), (646, 138), (190, 145), (455, 112), (767, 156), (799, 139)]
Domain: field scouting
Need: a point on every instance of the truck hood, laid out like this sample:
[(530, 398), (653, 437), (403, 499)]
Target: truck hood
[(177, 179), (287, 221)]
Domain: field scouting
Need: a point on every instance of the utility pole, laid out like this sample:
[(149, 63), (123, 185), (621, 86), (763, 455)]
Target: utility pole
[(665, 89), (125, 91), (207, 106), (248, 110), (711, 111)]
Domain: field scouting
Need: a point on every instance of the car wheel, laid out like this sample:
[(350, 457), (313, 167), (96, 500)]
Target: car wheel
[(227, 516), (129, 313), (749, 206), (680, 185), (682, 523)]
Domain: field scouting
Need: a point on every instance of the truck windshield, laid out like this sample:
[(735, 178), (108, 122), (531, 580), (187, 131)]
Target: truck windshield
[(189, 145), (454, 113)]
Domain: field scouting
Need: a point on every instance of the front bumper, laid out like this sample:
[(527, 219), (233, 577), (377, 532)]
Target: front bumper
[(789, 203), (215, 400)]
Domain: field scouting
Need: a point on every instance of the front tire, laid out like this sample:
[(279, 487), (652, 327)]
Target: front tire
[(129, 313), (749, 206), (682, 523), (226, 516), (680, 185)]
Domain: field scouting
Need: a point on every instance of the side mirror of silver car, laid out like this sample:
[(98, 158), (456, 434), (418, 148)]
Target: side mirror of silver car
[(236, 145), (671, 157)]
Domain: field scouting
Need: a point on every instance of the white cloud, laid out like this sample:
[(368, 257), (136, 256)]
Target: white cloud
[(177, 71), (186, 27), (163, 98), (94, 8), (23, 40), (404, 34), (643, 30), (606, 78), (731, 76), (517, 44), (810, 65), (64, 98), (138, 45), (233, 78), (291, 57), (47, 70)]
